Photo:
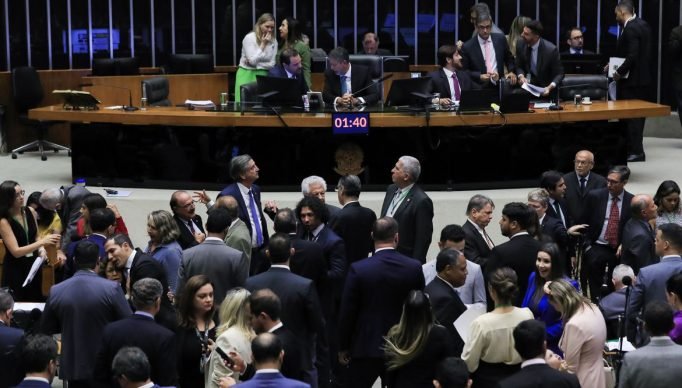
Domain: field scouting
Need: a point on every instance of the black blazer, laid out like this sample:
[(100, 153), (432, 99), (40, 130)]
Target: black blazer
[(292, 363), (10, 351), (553, 229), (157, 342), (334, 252), (474, 62), (540, 376), (564, 209), (186, 239), (575, 197), (549, 68), (308, 260), (440, 83), (278, 71), (475, 248), (359, 78), (447, 307), (415, 221), (595, 210), (233, 190), (634, 45), (353, 223), (519, 254), (145, 266), (638, 245)]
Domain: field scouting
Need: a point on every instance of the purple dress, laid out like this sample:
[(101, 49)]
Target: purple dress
[(676, 332)]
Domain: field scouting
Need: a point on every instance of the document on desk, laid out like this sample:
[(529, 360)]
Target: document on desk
[(463, 323), (34, 270), (532, 89), (614, 64)]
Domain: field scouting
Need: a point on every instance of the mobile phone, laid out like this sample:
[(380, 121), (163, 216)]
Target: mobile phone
[(229, 361)]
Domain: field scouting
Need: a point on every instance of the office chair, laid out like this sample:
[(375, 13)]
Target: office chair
[(594, 86), (28, 93), (375, 64), (249, 95), (156, 89)]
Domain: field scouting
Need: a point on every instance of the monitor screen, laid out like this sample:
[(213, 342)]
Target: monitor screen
[(583, 64), (285, 91), (410, 91), (100, 40)]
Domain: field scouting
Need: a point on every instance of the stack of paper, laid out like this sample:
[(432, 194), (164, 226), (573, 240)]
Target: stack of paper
[(200, 104)]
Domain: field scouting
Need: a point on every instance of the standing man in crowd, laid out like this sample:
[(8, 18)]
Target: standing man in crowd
[(478, 243), (39, 361), (537, 59), (579, 182), (184, 212), (486, 54), (10, 342), (353, 223), (638, 237)]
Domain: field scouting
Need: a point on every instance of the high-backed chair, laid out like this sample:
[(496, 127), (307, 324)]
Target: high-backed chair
[(190, 64), (157, 90), (375, 64), (249, 94), (115, 66), (595, 86), (28, 94), (318, 60), (396, 64)]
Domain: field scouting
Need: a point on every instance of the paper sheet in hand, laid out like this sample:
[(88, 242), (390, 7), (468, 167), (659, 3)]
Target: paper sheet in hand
[(463, 323), (614, 64), (34, 269), (532, 89), (614, 344)]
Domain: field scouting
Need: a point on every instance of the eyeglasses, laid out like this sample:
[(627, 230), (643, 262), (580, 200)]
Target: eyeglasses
[(21, 193), (488, 27), (612, 182)]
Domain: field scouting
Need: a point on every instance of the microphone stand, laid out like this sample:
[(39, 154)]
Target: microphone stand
[(127, 108), (621, 327)]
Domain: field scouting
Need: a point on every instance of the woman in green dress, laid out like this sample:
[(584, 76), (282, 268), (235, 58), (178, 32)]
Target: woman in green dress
[(259, 49), (292, 37)]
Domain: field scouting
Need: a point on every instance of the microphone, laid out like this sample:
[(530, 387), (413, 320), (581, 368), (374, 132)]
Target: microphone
[(605, 287), (130, 107), (380, 80), (495, 107), (627, 281), (558, 106)]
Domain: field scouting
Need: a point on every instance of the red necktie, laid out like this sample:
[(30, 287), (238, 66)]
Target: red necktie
[(455, 86), (611, 235)]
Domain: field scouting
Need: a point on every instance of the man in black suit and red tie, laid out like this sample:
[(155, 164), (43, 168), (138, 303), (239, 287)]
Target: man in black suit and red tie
[(290, 67), (450, 79), (478, 242), (184, 213), (537, 59), (579, 182), (344, 84)]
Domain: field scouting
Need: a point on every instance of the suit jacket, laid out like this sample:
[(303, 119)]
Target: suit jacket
[(292, 365), (415, 221), (595, 209), (675, 52), (157, 342), (373, 298), (10, 348), (186, 239), (80, 317), (271, 380), (585, 52), (476, 248), (474, 62), (33, 384), (239, 238), (334, 252), (309, 262), (549, 68), (300, 306), (540, 376), (69, 211), (440, 83), (634, 44), (69, 266), (575, 198), (553, 229), (654, 365), (564, 210), (613, 304), (353, 223), (233, 190), (145, 266), (226, 267), (447, 307), (278, 71), (519, 254), (638, 245), (360, 77)]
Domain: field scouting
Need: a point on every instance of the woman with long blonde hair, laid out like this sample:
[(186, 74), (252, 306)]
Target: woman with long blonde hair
[(515, 32), (259, 49), (163, 244)]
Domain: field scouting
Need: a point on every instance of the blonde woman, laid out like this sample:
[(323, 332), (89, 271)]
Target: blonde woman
[(259, 49), (163, 244), (515, 32), (584, 333), (234, 335)]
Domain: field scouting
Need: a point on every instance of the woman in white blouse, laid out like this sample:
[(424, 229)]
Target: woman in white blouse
[(259, 49)]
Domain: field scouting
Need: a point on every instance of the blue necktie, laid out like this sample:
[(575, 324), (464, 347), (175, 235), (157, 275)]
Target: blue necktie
[(344, 87), (256, 219)]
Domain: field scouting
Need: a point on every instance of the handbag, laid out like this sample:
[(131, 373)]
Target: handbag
[(609, 375)]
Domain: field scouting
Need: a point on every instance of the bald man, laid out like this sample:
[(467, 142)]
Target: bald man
[(238, 236), (580, 181), (638, 236)]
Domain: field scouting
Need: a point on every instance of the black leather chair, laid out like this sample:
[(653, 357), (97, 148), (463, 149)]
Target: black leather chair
[(396, 64), (28, 94), (156, 89), (190, 64), (318, 60), (375, 64), (115, 66), (249, 95), (594, 86)]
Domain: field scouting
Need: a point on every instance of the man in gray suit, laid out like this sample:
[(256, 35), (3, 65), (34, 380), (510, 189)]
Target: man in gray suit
[(658, 363), (238, 235), (650, 284), (226, 267)]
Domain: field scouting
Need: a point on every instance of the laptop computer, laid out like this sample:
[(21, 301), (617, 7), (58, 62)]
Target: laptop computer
[(477, 101), (515, 103)]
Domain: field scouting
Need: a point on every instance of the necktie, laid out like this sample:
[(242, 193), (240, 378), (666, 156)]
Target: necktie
[(559, 214), (533, 61), (488, 240), (583, 183), (611, 235), (190, 225), (255, 218), (394, 203), (455, 86), (344, 86), (488, 56)]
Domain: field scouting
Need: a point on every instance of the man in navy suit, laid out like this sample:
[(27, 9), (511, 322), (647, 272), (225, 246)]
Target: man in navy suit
[(550, 227), (10, 342), (81, 316), (184, 212), (530, 342), (553, 182), (372, 302), (478, 244), (353, 223), (290, 67), (346, 85), (450, 79), (638, 237), (486, 54), (537, 59), (131, 368), (244, 172), (103, 224), (579, 182), (140, 330), (268, 355), (39, 361)]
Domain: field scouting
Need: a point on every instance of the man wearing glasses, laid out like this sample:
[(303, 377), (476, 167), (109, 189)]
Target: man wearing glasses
[(575, 41), (486, 54), (580, 181), (190, 224)]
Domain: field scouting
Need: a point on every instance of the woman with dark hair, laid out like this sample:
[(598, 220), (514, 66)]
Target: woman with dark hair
[(109, 270), (667, 199), (18, 231), (91, 202), (584, 333), (259, 49), (163, 244), (292, 37), (416, 345), (48, 220), (489, 352), (196, 330), (548, 266), (674, 294)]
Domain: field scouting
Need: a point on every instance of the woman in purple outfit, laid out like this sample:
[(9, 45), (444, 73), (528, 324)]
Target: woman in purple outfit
[(674, 293)]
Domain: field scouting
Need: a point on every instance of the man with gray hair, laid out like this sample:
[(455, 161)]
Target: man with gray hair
[(353, 223), (638, 237), (131, 368), (486, 55), (317, 187), (140, 330), (409, 205), (479, 214), (10, 340), (613, 304), (66, 201)]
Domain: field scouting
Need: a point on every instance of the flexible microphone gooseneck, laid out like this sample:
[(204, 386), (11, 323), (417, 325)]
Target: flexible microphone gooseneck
[(128, 108)]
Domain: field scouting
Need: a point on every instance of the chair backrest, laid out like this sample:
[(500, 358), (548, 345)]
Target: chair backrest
[(396, 64), (26, 88), (127, 66), (249, 92), (595, 86), (115, 66), (375, 64), (190, 64), (156, 90)]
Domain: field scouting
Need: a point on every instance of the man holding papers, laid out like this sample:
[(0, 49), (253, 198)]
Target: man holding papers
[(537, 60)]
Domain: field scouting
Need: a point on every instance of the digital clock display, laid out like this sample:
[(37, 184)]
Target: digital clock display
[(350, 123)]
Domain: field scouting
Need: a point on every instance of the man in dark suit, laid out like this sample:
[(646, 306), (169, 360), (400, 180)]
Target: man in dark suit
[(10, 343), (265, 312), (290, 67), (226, 267), (409, 205), (575, 41), (478, 243), (606, 213), (316, 186), (344, 85), (388, 277), (550, 228), (579, 182), (638, 237), (131, 368), (553, 182), (81, 316), (103, 223), (353, 223), (140, 330), (370, 45), (520, 252), (268, 355), (530, 342), (675, 52), (613, 305), (450, 79), (634, 77), (445, 301), (184, 212), (452, 372), (39, 361), (137, 265), (486, 54), (300, 306), (244, 172), (537, 59)]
